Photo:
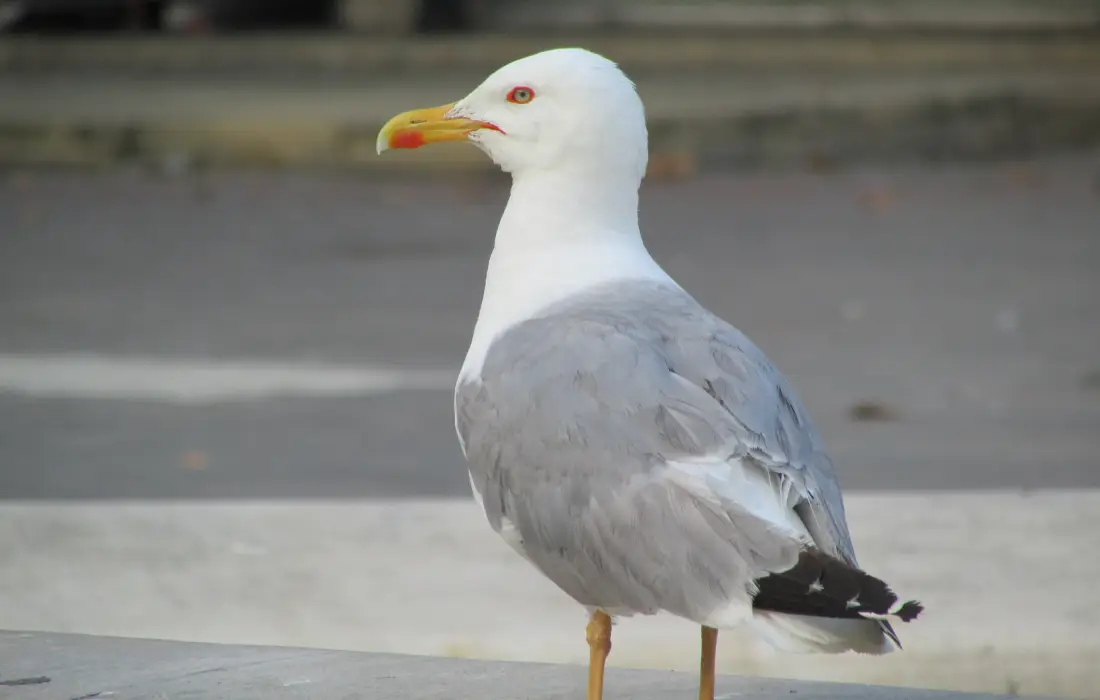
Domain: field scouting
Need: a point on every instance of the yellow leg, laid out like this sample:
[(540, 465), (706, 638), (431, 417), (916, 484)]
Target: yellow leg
[(598, 634), (706, 663)]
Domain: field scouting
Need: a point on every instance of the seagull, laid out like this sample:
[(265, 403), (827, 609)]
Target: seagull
[(639, 451)]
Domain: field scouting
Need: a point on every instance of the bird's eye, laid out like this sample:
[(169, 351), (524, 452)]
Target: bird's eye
[(521, 95)]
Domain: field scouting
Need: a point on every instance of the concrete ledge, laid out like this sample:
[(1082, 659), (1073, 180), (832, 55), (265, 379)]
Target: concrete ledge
[(740, 120), (41, 666)]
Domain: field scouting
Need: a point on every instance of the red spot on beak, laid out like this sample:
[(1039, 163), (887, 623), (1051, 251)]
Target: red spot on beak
[(407, 139)]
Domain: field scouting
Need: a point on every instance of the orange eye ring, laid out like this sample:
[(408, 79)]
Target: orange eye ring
[(521, 95)]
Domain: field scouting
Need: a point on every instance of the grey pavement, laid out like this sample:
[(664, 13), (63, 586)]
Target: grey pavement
[(50, 666), (962, 302)]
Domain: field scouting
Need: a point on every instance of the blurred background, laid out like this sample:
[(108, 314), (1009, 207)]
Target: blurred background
[(229, 332)]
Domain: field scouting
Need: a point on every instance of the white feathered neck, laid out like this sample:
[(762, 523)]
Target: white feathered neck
[(561, 233)]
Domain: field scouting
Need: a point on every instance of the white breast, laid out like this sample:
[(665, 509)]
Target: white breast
[(522, 282)]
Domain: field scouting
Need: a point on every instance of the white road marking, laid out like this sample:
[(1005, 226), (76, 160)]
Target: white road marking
[(202, 381)]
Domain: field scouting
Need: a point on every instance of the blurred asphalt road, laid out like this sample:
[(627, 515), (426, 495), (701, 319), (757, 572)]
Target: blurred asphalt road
[(963, 301)]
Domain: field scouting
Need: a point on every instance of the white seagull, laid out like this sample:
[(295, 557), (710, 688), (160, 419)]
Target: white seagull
[(639, 451)]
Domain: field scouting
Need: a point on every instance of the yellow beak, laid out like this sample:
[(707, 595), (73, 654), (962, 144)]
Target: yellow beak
[(422, 126)]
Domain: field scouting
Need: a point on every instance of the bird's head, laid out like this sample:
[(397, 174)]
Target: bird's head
[(564, 108)]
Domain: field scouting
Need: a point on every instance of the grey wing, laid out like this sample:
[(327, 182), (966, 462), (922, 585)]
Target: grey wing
[(591, 435), (770, 422), (570, 434)]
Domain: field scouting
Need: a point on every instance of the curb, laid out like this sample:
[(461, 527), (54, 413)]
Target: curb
[(995, 125), (637, 53)]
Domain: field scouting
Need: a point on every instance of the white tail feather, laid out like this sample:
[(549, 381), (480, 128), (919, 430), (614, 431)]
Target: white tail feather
[(802, 634)]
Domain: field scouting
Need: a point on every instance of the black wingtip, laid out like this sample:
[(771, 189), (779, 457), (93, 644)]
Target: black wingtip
[(909, 610), (826, 586)]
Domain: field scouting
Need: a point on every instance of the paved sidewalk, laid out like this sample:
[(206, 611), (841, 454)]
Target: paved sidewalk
[(1005, 577)]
